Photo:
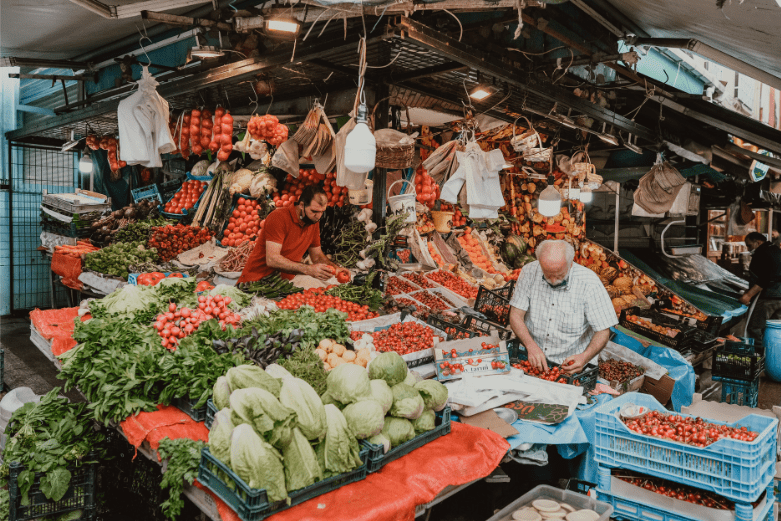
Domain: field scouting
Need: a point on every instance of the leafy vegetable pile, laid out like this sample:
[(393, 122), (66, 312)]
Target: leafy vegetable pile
[(272, 286), (184, 456), (115, 259), (260, 348), (138, 231), (47, 437), (122, 369), (315, 326), (359, 294)]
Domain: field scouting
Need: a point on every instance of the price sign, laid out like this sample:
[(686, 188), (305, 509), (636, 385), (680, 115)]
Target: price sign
[(549, 413)]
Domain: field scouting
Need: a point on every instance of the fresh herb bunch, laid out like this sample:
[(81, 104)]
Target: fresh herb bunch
[(115, 259), (350, 241), (133, 232), (122, 368), (184, 456), (260, 348), (359, 294), (305, 364), (380, 248), (315, 326), (47, 437)]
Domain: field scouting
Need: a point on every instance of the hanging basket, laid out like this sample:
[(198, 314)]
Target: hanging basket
[(525, 141), (586, 173), (392, 154)]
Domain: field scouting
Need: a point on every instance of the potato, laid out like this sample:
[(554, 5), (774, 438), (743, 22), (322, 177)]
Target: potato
[(339, 349), (332, 358), (339, 361), (349, 356), (321, 353), (363, 362), (325, 344), (364, 353)]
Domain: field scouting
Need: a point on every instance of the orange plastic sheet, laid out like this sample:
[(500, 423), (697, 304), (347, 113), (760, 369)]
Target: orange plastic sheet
[(466, 454), (56, 325), (68, 267), (166, 422)]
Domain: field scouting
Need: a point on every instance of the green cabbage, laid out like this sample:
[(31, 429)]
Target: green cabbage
[(221, 393), (434, 394), (388, 366), (257, 462), (220, 436), (365, 418), (411, 379), (301, 467), (407, 402), (130, 299), (299, 396), (277, 371), (246, 376), (382, 440), (339, 452), (327, 398), (426, 422), (348, 383), (382, 394), (398, 430), (260, 409), (239, 299)]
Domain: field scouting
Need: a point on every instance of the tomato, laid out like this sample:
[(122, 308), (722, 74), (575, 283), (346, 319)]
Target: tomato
[(343, 276), (175, 276)]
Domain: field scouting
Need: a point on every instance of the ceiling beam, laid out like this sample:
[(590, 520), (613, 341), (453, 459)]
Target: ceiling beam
[(39, 63), (486, 64), (770, 161), (53, 77), (184, 21), (424, 73)]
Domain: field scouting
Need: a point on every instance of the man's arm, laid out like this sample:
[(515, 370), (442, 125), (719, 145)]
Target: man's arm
[(277, 261), (518, 325), (318, 257), (747, 296), (576, 363)]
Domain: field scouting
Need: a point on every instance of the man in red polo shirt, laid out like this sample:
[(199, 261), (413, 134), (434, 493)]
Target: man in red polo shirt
[(288, 234)]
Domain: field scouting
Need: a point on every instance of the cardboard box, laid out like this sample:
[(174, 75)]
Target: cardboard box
[(491, 421), (470, 358), (661, 389)]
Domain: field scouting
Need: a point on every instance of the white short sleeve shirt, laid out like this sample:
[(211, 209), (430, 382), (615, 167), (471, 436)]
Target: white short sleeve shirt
[(563, 320)]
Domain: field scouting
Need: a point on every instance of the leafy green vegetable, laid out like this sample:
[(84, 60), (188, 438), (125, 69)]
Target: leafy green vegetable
[(365, 294), (239, 299), (221, 393), (299, 396), (220, 436), (382, 394), (339, 452), (184, 456), (382, 440), (261, 409), (301, 467), (426, 421), (115, 259), (434, 394), (388, 366), (126, 301), (305, 364), (349, 383), (257, 462), (365, 418), (316, 326), (398, 430), (47, 437), (407, 402), (247, 376)]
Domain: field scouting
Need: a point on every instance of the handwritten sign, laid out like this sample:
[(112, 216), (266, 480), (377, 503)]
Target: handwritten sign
[(549, 413)]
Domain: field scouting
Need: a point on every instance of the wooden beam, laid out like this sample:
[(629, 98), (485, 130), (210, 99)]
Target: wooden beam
[(770, 161), (184, 21)]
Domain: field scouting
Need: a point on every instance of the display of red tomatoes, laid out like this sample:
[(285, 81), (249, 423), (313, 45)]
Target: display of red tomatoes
[(185, 198), (316, 298), (176, 324), (686, 429), (337, 195), (453, 283), (404, 338), (553, 374), (244, 224), (149, 279), (677, 491), (170, 240)]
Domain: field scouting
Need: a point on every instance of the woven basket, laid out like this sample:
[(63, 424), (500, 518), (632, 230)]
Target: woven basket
[(530, 145), (394, 156)]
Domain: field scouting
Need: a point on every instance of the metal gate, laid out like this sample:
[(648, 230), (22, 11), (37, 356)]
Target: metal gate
[(31, 170)]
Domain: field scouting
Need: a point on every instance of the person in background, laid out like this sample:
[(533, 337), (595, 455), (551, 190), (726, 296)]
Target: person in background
[(560, 310), (775, 239), (765, 281)]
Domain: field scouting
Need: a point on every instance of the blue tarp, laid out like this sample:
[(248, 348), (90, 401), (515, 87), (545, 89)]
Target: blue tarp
[(576, 434)]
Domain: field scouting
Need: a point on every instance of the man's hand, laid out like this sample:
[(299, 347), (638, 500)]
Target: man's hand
[(745, 299), (574, 364), (320, 271), (536, 357)]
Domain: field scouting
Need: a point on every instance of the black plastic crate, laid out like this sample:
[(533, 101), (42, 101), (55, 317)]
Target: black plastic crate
[(702, 341), (211, 412), (252, 504), (377, 459), (680, 341), (485, 328), (495, 307), (169, 188), (454, 331), (80, 494), (506, 291), (186, 405), (586, 379), (738, 361), (66, 229)]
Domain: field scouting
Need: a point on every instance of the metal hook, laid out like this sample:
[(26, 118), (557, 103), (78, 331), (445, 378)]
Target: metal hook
[(144, 36), (255, 101)]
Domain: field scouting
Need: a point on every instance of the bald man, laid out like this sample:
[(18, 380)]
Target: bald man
[(560, 311)]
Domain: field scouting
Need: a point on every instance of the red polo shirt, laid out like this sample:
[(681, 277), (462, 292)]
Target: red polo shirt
[(284, 227)]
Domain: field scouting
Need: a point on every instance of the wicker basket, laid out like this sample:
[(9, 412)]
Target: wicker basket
[(530, 145), (391, 154)]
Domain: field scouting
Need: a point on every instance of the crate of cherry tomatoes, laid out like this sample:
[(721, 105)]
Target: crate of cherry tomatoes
[(447, 280), (244, 222), (657, 326), (734, 459), (587, 379), (186, 199), (453, 329), (413, 339)]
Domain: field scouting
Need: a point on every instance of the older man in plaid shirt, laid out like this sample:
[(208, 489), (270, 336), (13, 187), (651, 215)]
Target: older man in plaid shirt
[(560, 310)]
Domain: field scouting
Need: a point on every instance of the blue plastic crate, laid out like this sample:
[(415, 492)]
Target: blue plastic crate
[(186, 406), (187, 212), (147, 192), (251, 504), (211, 412), (377, 459), (739, 392), (737, 470), (632, 503)]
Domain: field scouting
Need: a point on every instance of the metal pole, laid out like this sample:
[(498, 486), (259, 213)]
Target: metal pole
[(380, 174), (615, 231), (11, 225)]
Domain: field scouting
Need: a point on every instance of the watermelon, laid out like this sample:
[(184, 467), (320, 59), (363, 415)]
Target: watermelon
[(512, 249)]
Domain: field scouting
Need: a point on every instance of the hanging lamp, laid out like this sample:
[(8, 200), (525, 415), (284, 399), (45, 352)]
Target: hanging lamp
[(549, 203)]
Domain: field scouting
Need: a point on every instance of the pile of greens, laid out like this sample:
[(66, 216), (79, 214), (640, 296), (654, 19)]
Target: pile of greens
[(142, 304), (184, 456), (359, 294), (260, 348), (116, 259), (315, 326), (122, 368), (48, 437)]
